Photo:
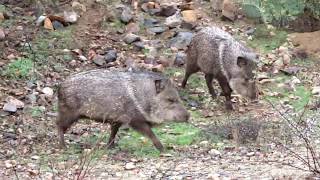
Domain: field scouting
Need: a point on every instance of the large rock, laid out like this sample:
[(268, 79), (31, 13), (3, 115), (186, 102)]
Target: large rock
[(307, 42), (12, 104), (189, 16), (173, 21), (229, 10), (126, 15), (181, 40)]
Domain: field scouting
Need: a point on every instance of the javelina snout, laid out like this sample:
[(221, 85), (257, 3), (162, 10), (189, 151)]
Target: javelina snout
[(169, 106), (139, 99)]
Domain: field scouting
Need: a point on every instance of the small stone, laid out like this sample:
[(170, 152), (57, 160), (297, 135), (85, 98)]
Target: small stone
[(316, 90), (180, 59), (286, 59), (71, 17), (250, 154), (189, 16), (19, 28), (1, 17), (150, 22), (126, 15), (139, 45), (10, 107), (250, 31), (111, 56), (73, 63), (40, 20), (130, 38), (10, 163), (132, 28), (282, 49), (47, 91), (158, 30), (173, 21), (19, 104), (166, 10), (57, 25), (99, 60), (83, 58), (215, 152), (48, 24), (2, 34), (130, 166), (35, 157)]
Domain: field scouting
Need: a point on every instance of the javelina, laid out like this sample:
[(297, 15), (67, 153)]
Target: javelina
[(139, 99), (218, 55)]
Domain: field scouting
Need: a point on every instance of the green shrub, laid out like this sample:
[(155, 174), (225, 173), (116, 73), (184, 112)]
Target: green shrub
[(279, 12)]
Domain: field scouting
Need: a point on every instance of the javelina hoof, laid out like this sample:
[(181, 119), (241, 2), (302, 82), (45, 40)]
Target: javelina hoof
[(111, 146)]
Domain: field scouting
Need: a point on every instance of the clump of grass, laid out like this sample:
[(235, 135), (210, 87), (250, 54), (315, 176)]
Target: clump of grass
[(19, 69), (264, 41), (302, 93)]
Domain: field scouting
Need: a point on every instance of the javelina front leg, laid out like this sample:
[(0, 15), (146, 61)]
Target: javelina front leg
[(145, 129), (189, 71), (209, 78), (114, 130), (223, 82), (64, 121)]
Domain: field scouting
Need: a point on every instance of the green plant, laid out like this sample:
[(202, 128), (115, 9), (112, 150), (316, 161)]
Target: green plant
[(19, 69), (279, 12)]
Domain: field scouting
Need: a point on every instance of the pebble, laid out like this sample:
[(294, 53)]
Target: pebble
[(111, 56), (130, 38), (2, 34), (130, 166), (99, 60), (47, 91)]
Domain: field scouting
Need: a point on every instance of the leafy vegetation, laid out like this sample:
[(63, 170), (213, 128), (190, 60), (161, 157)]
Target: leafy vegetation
[(280, 12), (19, 69)]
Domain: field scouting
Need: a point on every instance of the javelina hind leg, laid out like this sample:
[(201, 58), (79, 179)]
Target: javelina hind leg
[(114, 130), (63, 122), (226, 91), (209, 78), (189, 71), (145, 129)]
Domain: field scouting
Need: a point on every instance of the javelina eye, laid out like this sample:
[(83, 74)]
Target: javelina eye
[(171, 100)]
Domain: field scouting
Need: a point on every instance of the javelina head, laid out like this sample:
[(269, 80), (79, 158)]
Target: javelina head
[(242, 81), (168, 105)]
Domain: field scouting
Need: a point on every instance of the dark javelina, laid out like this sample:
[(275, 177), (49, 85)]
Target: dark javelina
[(218, 55), (139, 99)]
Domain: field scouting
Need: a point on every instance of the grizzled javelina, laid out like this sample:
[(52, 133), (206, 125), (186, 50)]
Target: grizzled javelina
[(139, 99), (218, 55)]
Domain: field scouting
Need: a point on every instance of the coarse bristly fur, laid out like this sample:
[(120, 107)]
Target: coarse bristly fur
[(218, 55), (139, 99)]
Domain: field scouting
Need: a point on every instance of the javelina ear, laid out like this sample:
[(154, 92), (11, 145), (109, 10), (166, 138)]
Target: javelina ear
[(160, 85), (241, 62)]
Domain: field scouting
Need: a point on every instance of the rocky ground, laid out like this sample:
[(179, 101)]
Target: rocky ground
[(40, 51)]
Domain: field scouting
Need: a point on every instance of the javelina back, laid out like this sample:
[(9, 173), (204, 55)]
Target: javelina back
[(139, 99), (218, 55)]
